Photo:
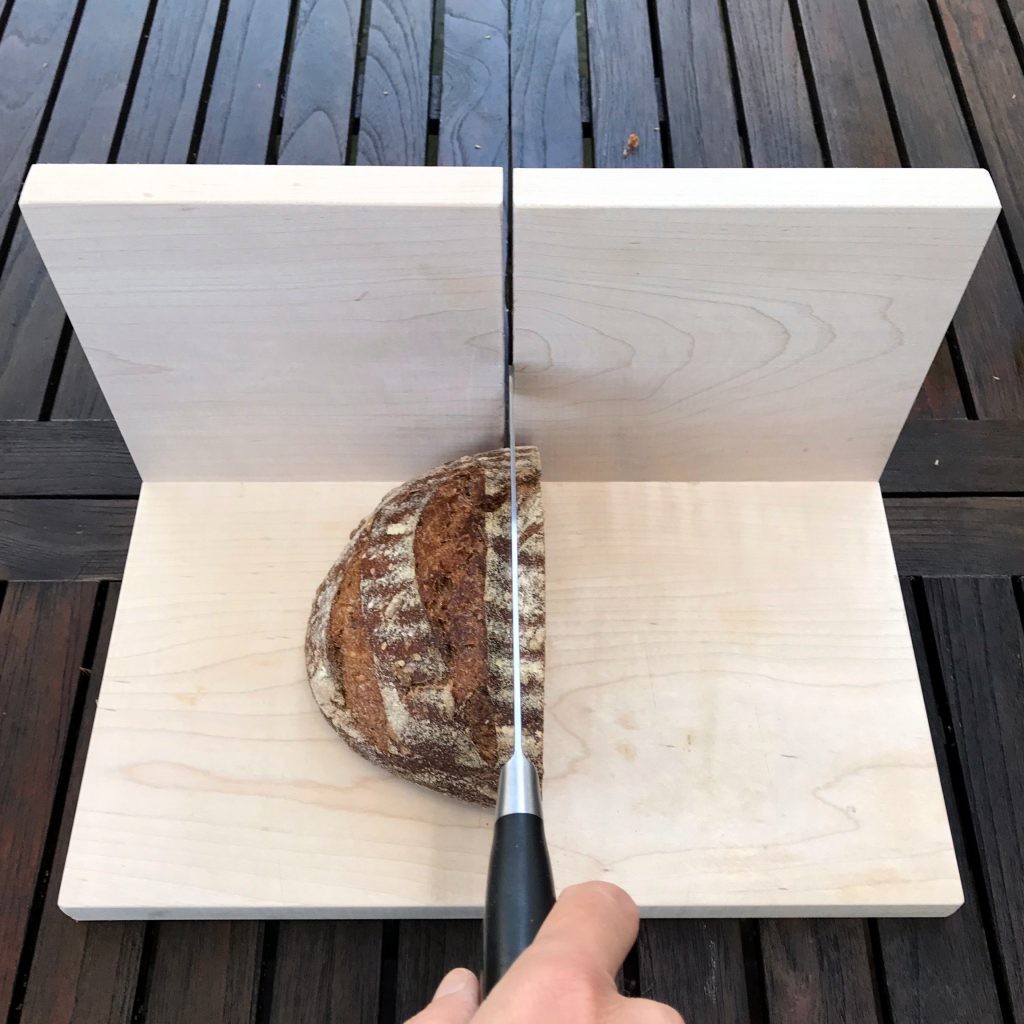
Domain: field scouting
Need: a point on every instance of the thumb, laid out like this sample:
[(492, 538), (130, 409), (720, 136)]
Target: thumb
[(455, 1001)]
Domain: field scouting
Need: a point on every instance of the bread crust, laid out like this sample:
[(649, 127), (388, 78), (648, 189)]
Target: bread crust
[(408, 650)]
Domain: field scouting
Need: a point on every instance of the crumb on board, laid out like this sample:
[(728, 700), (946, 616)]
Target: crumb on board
[(632, 143)]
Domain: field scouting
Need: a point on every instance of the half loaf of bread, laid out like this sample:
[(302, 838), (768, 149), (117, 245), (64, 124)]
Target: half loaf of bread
[(409, 644)]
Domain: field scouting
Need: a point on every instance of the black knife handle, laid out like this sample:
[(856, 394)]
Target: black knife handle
[(520, 892)]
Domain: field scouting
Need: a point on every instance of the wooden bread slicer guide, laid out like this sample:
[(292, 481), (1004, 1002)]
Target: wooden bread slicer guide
[(715, 366)]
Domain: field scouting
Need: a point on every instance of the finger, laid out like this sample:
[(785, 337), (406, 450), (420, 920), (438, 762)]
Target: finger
[(595, 922), (455, 1001), (646, 1011)]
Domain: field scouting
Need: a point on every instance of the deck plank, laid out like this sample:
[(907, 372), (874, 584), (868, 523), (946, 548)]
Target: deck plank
[(695, 967), (700, 106), (623, 94), (65, 459), (81, 129), (318, 93), (82, 973), (45, 628), (776, 103), (158, 129), (818, 972), (980, 646), (993, 84), (64, 538), (240, 111), (849, 94), (546, 120), (204, 971), (938, 969), (396, 85), (990, 321), (326, 971), (34, 39), (961, 536), (427, 950), (474, 96), (957, 457)]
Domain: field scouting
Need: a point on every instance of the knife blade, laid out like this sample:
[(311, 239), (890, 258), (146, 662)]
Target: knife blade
[(520, 888)]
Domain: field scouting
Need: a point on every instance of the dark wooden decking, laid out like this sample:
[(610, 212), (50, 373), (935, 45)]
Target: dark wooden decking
[(543, 82)]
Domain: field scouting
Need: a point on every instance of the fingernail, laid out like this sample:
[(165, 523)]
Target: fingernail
[(453, 982)]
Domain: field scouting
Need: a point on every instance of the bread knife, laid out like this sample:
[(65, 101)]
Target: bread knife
[(520, 888)]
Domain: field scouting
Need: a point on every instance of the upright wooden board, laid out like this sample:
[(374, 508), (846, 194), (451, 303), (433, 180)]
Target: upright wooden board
[(310, 323), (720, 739), (734, 324)]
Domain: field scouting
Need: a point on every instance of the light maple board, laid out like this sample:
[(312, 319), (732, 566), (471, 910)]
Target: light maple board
[(283, 323), (734, 723), (734, 324)]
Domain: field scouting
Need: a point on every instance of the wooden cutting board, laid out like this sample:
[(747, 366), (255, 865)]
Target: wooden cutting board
[(733, 724)]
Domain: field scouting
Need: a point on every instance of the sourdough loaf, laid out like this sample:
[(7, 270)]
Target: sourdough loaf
[(409, 644)]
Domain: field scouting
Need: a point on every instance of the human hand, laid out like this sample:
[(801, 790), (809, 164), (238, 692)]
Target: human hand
[(566, 974)]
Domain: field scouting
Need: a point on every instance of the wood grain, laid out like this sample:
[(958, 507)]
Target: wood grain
[(295, 289), (45, 628), (396, 83), (744, 325), (622, 90), (65, 459), (474, 124), (326, 971), (981, 655), (318, 96), (849, 93), (240, 110), (961, 536), (635, 703), (957, 457), (695, 967), (82, 974), (546, 121), (204, 971), (776, 104), (990, 320), (817, 971), (64, 539), (161, 119), (698, 87)]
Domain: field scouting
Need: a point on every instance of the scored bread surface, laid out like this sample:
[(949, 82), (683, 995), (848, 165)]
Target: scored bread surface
[(409, 646)]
